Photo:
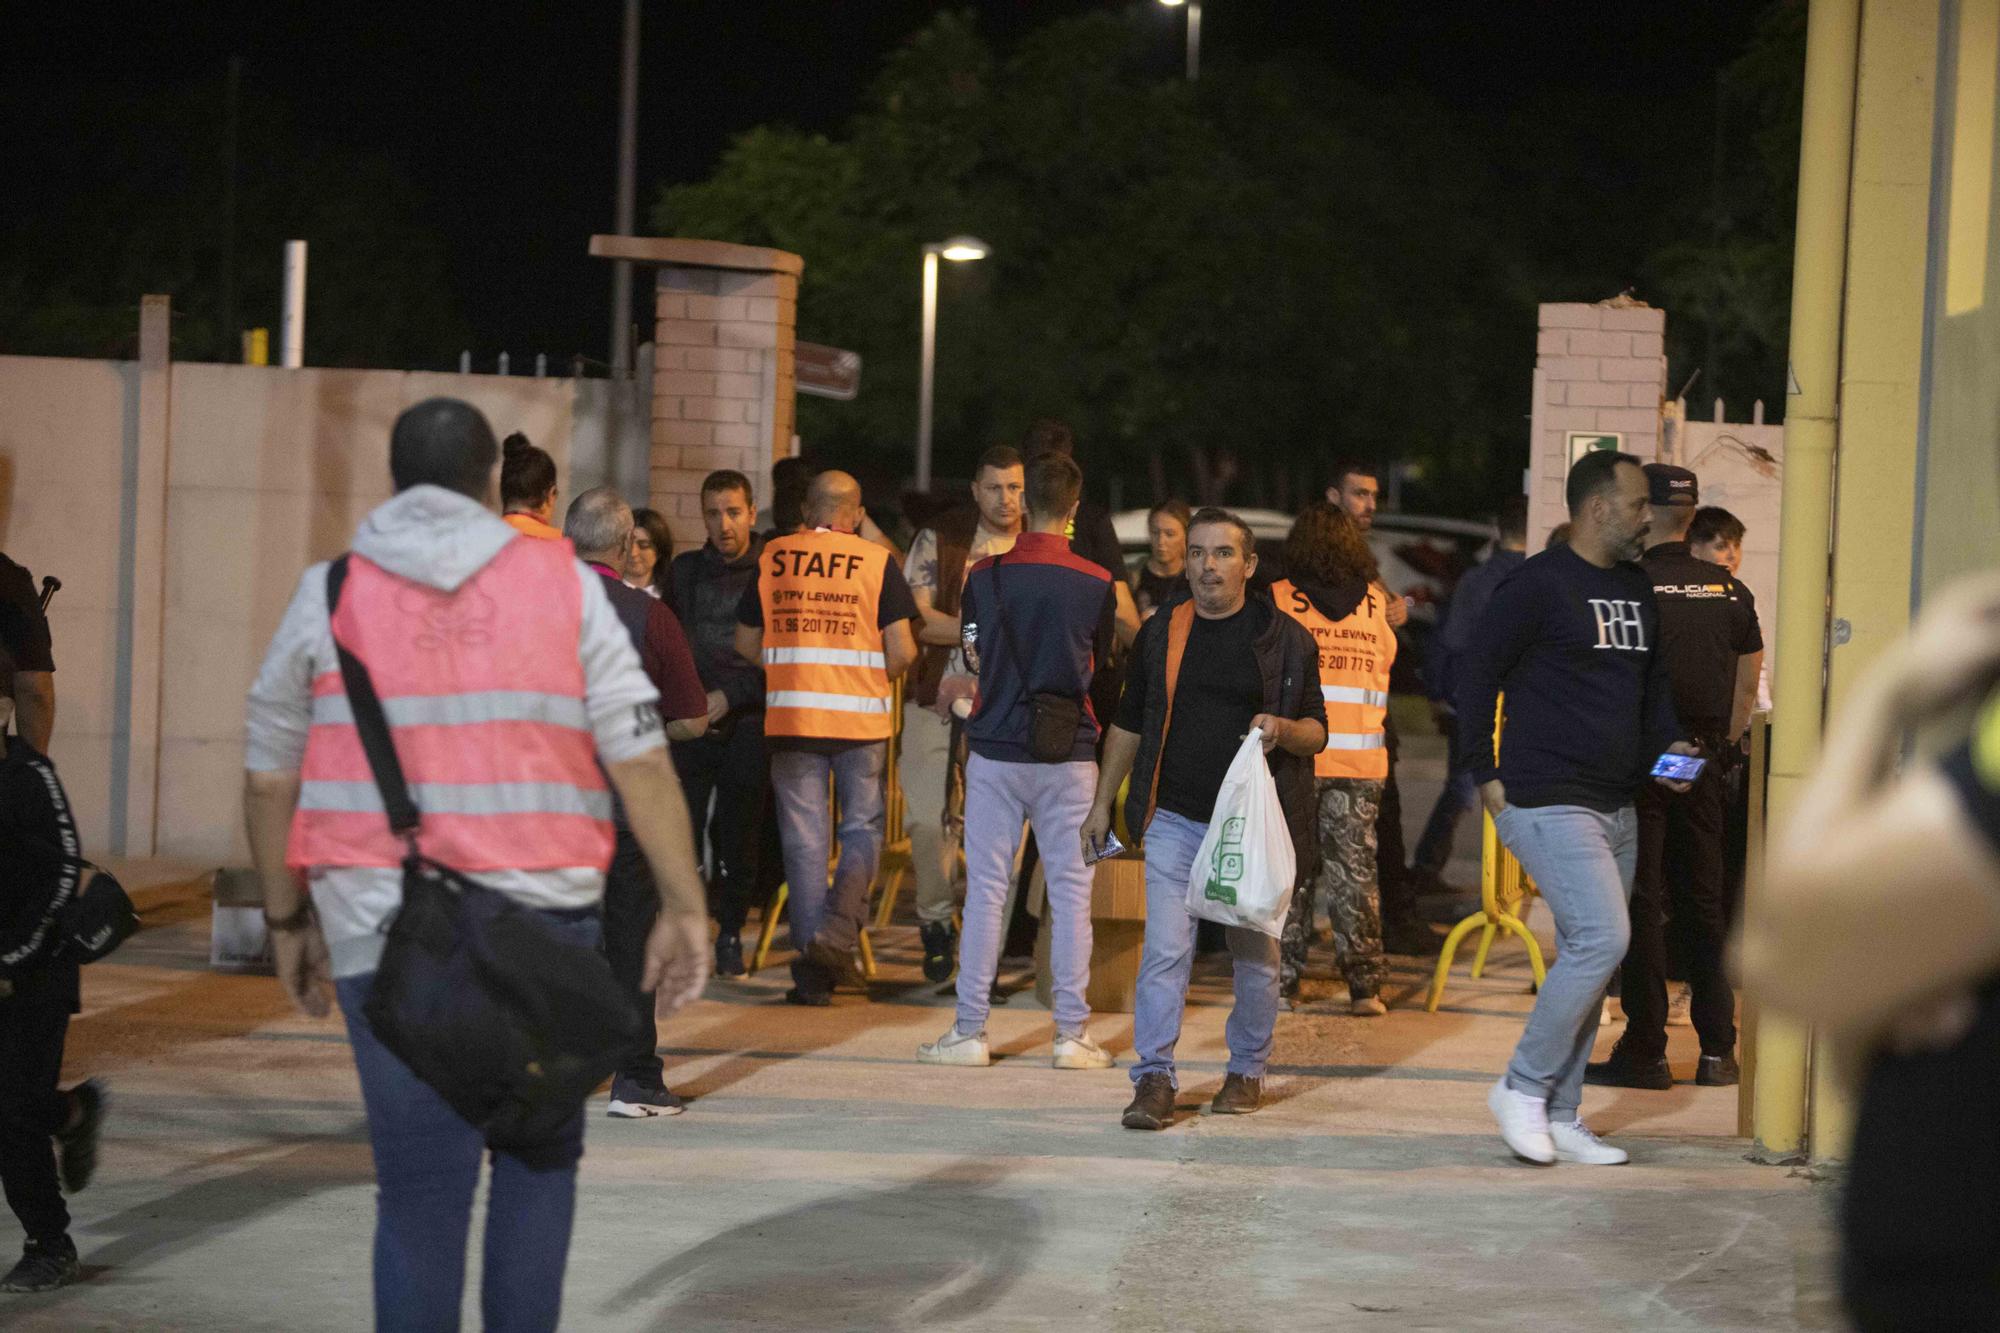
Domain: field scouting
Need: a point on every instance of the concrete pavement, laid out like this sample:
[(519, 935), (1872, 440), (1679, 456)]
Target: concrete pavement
[(823, 1180)]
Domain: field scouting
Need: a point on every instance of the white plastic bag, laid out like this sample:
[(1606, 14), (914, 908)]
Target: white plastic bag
[(1242, 875)]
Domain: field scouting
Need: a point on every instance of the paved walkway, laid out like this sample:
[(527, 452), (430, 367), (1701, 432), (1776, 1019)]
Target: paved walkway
[(823, 1180)]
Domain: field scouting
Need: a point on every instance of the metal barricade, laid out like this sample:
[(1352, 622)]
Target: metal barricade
[(1505, 894)]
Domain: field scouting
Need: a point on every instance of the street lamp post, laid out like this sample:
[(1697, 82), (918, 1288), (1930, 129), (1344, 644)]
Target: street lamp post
[(1193, 34), (959, 249)]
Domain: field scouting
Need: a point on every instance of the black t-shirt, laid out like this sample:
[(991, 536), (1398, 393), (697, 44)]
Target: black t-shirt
[(1219, 690), (24, 630), (1158, 590), (1707, 621)]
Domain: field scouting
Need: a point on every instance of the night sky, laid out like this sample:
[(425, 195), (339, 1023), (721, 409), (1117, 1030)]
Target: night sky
[(504, 116)]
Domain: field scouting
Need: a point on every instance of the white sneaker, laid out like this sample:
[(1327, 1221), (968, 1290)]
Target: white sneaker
[(1524, 1122), (1677, 1007), (956, 1048), (1575, 1143), (1080, 1052)]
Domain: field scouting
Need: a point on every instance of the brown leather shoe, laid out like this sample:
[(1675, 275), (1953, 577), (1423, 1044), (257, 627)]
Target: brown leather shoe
[(1152, 1103), (1238, 1096)]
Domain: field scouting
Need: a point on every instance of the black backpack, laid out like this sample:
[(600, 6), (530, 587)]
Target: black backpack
[(508, 1020)]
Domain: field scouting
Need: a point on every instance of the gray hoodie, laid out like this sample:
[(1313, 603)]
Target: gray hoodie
[(438, 538)]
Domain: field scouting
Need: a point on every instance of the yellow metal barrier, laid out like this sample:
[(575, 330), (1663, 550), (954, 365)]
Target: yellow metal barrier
[(1505, 891)]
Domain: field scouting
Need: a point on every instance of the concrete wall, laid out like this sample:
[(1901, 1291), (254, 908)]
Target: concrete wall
[(1742, 469), (265, 470)]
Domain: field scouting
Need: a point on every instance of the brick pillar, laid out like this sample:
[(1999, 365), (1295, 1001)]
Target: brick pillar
[(1598, 368), (723, 380)]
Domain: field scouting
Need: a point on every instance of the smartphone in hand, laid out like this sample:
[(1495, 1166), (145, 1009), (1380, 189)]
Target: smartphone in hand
[(1679, 767)]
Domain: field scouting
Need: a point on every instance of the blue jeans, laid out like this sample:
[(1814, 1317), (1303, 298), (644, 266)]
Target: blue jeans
[(1168, 961), (1582, 861), (426, 1168), (829, 915), (1459, 798), (1055, 800)]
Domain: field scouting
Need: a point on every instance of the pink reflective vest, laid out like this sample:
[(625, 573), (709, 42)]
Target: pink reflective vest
[(484, 694)]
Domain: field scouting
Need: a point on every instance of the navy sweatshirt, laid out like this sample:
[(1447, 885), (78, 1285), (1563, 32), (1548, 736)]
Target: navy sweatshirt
[(1589, 702), (1063, 611)]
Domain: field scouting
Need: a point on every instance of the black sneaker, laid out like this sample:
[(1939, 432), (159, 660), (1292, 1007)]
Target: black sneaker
[(76, 1146), (1237, 1096), (940, 946), (999, 995), (729, 956), (1717, 1071), (45, 1265), (632, 1100), (1620, 1070), (839, 965), (1152, 1104), (811, 999)]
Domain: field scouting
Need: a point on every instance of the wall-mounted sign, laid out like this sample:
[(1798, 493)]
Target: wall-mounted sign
[(1583, 442), (826, 372)]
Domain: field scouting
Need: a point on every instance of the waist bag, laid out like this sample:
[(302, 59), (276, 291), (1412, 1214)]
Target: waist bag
[(486, 1000), (1053, 718), (85, 913)]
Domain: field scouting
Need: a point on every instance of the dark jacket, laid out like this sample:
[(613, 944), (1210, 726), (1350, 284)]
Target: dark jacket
[(704, 590), (1287, 658), (1061, 612), (1461, 619)]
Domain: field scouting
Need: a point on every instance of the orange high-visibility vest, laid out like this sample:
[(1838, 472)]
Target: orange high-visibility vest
[(484, 694), (1355, 654), (825, 675)]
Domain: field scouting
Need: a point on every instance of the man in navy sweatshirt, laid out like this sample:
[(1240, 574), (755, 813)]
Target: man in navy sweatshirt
[(1571, 641), (1035, 621)]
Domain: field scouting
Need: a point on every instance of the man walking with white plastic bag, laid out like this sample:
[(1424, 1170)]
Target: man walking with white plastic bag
[(1201, 678)]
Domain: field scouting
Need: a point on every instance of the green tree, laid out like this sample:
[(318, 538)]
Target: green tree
[(130, 198), (1222, 286), (1727, 276)]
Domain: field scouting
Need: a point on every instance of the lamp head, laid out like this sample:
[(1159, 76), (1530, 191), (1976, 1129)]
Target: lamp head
[(961, 249)]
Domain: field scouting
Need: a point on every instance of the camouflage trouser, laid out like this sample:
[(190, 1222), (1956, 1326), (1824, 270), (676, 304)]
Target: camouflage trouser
[(1346, 881)]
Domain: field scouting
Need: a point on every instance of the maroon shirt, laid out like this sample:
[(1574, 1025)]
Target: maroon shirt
[(663, 647)]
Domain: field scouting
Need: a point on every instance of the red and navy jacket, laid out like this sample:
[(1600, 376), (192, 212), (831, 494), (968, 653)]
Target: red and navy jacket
[(1062, 610)]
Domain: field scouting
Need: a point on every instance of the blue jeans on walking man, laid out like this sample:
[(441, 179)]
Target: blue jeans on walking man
[(830, 914), (1582, 862), (426, 1168), (1168, 961)]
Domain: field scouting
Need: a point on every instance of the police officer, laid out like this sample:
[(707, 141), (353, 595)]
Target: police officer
[(1709, 636)]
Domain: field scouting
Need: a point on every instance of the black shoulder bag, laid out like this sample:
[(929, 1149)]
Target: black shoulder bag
[(87, 913), (1052, 717), (511, 1022)]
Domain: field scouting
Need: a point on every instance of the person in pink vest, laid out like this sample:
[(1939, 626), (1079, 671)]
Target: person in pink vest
[(506, 677)]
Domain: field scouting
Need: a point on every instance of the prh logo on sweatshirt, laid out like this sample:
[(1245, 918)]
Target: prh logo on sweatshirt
[(1619, 624)]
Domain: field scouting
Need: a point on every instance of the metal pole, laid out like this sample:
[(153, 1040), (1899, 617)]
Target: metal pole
[(628, 147), (926, 365), (292, 325), (1194, 40), (1812, 415)]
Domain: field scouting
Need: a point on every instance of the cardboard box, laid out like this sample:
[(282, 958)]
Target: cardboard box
[(1117, 937), (237, 940)]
